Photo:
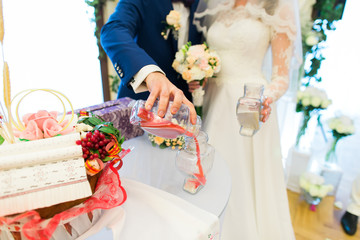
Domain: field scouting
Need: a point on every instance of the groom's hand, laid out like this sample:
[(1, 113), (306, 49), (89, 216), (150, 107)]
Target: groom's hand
[(160, 87)]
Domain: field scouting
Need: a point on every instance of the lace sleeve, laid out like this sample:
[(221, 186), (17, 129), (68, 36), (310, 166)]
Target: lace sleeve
[(284, 35), (281, 48)]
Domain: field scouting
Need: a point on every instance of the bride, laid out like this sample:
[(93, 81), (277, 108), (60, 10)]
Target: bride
[(248, 34)]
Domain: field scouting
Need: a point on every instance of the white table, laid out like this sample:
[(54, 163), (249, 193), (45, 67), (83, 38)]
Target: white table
[(156, 167)]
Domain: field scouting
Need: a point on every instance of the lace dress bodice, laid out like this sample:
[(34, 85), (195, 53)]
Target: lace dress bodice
[(242, 41)]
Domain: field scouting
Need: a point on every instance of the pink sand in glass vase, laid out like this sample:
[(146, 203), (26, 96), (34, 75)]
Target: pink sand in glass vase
[(171, 126)]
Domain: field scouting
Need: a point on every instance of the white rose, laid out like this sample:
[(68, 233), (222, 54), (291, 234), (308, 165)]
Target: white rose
[(340, 128), (315, 101), (311, 40), (173, 18), (197, 73), (305, 101), (82, 127), (209, 72), (314, 190), (180, 56)]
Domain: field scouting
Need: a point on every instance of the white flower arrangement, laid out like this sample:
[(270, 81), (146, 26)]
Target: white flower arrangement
[(195, 63), (314, 185), (342, 125), (309, 100), (172, 23), (166, 142), (313, 98)]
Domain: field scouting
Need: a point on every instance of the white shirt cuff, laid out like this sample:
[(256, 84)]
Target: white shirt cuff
[(138, 84)]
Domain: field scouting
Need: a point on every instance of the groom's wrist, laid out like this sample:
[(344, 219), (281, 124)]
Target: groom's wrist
[(139, 83)]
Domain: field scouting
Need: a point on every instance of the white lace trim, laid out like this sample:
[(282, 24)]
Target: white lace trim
[(280, 22)]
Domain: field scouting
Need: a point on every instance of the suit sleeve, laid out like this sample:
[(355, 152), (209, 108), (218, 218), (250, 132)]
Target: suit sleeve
[(117, 38)]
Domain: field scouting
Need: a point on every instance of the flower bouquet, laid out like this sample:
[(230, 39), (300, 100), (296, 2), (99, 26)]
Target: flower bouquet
[(308, 101), (166, 142), (73, 161), (195, 63), (172, 23), (313, 188), (340, 127)]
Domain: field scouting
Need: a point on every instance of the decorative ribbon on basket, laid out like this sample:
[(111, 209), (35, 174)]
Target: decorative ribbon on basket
[(108, 194)]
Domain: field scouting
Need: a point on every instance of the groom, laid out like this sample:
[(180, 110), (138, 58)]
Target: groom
[(141, 55)]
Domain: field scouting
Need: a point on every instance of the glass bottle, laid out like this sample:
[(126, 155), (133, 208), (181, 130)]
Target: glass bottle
[(248, 109), (170, 126), (195, 160)]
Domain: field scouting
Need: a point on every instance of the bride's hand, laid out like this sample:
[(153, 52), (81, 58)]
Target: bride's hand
[(193, 85), (196, 84), (266, 109)]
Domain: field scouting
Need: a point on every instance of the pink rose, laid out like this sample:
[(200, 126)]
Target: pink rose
[(204, 64), (52, 128), (40, 117), (197, 51), (32, 132)]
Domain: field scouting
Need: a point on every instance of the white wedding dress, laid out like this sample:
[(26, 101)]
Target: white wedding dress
[(258, 206)]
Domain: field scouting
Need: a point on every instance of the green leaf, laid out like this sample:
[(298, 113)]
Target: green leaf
[(94, 121), (1, 140), (162, 146), (106, 159)]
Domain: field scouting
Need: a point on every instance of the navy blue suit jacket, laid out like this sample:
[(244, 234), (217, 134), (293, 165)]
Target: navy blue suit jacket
[(132, 39)]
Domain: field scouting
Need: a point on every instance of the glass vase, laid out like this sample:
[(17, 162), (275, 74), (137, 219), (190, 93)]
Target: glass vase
[(302, 143), (330, 157), (248, 109), (170, 126), (311, 200), (330, 169), (195, 161)]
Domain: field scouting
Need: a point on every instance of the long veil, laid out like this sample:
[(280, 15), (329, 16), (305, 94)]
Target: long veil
[(282, 16)]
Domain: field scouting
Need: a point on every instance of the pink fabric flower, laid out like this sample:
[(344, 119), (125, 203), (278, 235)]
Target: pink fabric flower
[(52, 128), (43, 124), (40, 117), (32, 132)]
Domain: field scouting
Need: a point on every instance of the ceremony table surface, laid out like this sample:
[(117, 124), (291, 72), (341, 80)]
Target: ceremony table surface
[(148, 172)]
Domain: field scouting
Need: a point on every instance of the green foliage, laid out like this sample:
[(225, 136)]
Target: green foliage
[(98, 6), (105, 127), (1, 140), (325, 14), (115, 83)]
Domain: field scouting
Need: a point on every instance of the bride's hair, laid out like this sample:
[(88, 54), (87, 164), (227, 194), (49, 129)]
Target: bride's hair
[(270, 6)]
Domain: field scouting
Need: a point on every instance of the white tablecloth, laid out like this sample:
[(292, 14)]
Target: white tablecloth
[(150, 213), (156, 167), (157, 207)]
